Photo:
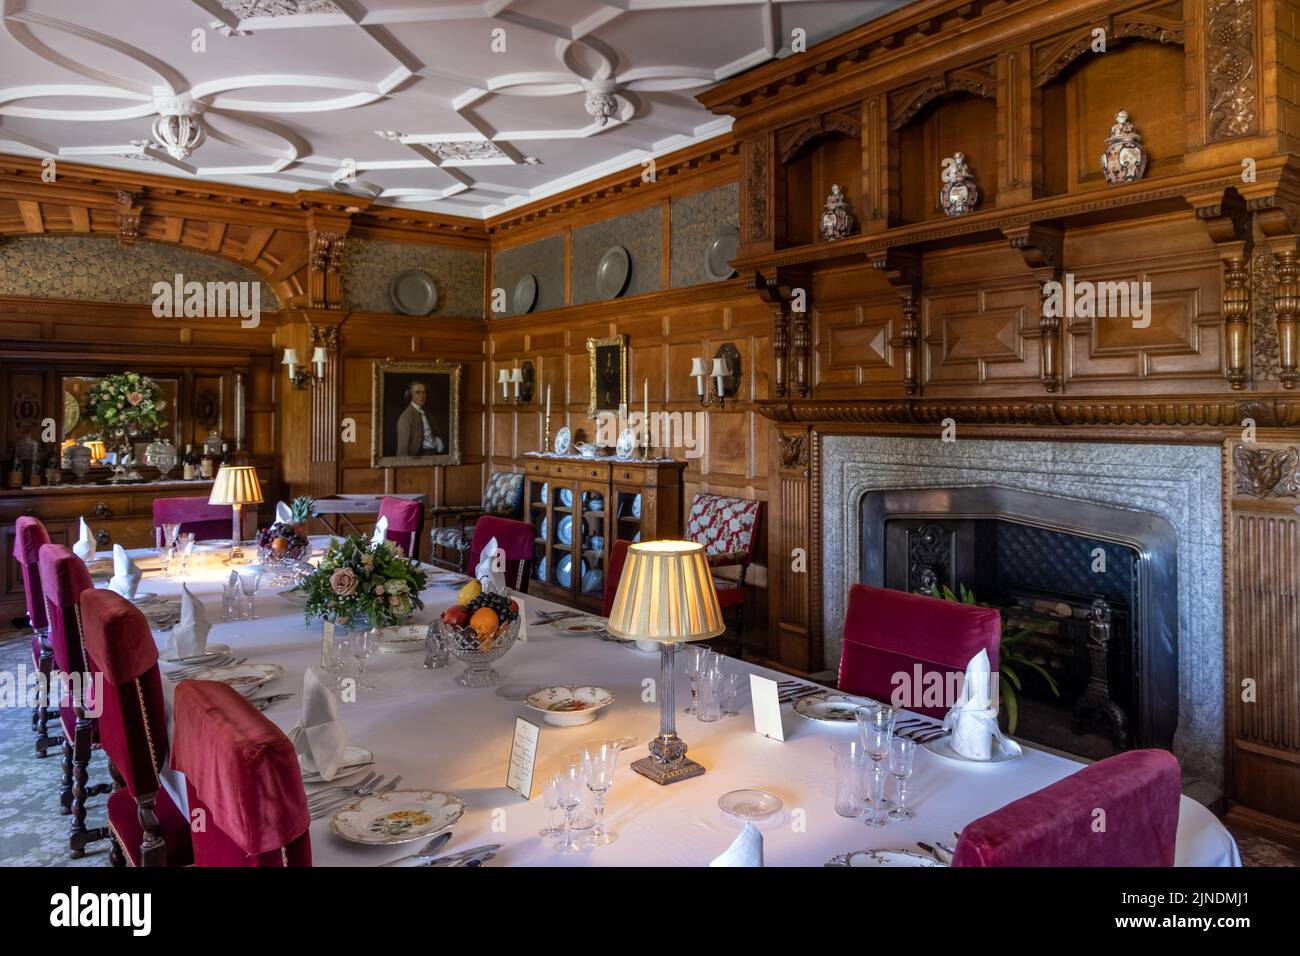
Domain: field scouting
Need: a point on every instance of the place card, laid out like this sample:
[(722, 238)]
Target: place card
[(523, 615), (327, 648), (523, 758), (767, 707)]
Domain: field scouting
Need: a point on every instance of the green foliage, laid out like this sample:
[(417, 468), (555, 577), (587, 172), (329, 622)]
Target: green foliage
[(302, 509), (357, 577), (125, 400)]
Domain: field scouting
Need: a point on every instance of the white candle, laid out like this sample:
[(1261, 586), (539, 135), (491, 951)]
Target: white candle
[(647, 400), (548, 401)]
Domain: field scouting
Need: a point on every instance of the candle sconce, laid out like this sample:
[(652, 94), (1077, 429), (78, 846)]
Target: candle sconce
[(714, 384), (523, 379), (300, 378)]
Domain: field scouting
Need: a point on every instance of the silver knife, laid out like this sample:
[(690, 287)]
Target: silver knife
[(434, 845), (460, 856)]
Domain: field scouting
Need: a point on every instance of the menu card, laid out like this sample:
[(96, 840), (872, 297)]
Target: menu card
[(523, 614), (523, 758), (327, 648), (767, 707)]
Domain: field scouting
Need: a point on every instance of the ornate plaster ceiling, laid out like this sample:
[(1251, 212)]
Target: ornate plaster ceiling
[(469, 108)]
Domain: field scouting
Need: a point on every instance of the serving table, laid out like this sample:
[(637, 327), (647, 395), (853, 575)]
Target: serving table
[(421, 725)]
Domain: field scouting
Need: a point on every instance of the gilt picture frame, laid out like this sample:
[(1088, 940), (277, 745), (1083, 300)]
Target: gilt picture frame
[(415, 414), (607, 361)]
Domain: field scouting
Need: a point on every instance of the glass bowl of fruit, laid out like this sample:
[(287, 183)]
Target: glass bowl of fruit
[(478, 633)]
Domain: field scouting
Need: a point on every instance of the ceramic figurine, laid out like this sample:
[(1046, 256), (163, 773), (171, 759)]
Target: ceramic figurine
[(837, 220), (958, 195), (1124, 160)]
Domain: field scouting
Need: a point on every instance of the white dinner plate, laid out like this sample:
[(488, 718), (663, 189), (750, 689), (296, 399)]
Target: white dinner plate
[(387, 819), (244, 677), (355, 759), (750, 804), (212, 652), (882, 858), (402, 638), (837, 708), (1001, 752), (569, 706)]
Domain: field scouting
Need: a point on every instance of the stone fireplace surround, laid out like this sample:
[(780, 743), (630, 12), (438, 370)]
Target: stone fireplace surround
[(1181, 483)]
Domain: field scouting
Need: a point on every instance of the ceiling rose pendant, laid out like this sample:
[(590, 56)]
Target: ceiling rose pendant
[(177, 128)]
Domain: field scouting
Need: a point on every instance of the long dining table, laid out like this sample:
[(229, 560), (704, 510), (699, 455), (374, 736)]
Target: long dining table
[(437, 735)]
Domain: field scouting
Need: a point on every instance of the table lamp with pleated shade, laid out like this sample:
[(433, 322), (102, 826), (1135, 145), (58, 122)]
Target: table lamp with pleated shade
[(236, 485), (666, 595)]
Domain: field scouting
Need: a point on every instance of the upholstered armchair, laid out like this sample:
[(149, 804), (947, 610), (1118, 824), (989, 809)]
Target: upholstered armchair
[(728, 529), (453, 525)]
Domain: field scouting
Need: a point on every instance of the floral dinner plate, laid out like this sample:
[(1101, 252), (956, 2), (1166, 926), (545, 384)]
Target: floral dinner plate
[(402, 816), (243, 678), (829, 706), (402, 638), (569, 706), (882, 858)]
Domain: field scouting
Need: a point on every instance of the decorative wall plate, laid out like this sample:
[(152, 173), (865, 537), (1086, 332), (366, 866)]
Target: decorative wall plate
[(413, 292), (722, 248), (612, 272), (525, 294), (562, 438)]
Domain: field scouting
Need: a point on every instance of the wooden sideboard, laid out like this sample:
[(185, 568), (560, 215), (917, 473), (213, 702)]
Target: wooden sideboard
[(602, 499)]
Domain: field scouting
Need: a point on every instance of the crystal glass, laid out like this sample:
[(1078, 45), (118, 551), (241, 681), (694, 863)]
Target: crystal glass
[(342, 656), (248, 584), (599, 761), (729, 692), (851, 768), (165, 560), (551, 797), (708, 705), (696, 658), (876, 731), (901, 752), (363, 645), (229, 602), (569, 784), (185, 544), (436, 654), (170, 530)]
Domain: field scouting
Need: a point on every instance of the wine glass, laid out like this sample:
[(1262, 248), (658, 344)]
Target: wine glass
[(728, 692), (876, 730), (696, 658), (901, 753), (342, 654), (551, 797), (170, 530), (185, 543), (248, 585), (165, 560), (363, 645), (599, 761), (568, 783)]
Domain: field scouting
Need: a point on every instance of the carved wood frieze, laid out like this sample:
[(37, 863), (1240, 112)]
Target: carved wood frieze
[(1264, 280), (793, 138), (1266, 472), (1230, 68), (1161, 23), (980, 79), (755, 169)]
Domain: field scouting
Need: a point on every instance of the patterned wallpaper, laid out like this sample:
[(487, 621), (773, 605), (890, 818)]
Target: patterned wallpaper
[(640, 233), (695, 218), (370, 264), (104, 270), (544, 258)]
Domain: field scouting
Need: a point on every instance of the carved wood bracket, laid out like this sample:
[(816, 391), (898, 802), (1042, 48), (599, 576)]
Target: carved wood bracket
[(902, 269), (1229, 220), (786, 295), (1043, 248), (128, 210)]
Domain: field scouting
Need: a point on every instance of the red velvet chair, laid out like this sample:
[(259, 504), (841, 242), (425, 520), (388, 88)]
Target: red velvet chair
[(891, 632), (241, 780), (513, 537), (728, 529), (1138, 790), (142, 818), (405, 522), (617, 558), (63, 578), (29, 536), (206, 522)]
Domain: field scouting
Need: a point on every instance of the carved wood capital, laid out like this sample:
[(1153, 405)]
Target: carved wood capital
[(128, 210), (1266, 472)]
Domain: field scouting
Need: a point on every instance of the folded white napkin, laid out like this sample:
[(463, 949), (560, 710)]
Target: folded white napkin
[(320, 738), (190, 636), (85, 546), (381, 532), (973, 719), (283, 513), (747, 850), (126, 576), (488, 577)]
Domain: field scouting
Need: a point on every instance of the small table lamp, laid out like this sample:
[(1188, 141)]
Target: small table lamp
[(236, 485), (666, 595)]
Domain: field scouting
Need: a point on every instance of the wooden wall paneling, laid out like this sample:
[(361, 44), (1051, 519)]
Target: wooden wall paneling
[(1019, 146)]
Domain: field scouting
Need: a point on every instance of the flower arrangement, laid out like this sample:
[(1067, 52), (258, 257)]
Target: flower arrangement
[(360, 579), (126, 401), (281, 539)]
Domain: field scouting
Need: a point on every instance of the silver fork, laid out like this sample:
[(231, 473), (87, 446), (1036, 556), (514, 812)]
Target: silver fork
[(186, 675), (318, 800), (316, 797), (215, 662), (330, 806)]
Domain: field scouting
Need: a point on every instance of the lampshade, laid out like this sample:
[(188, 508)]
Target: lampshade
[(318, 355), (236, 485), (97, 450), (503, 376), (290, 357), (697, 367), (666, 594), (516, 375)]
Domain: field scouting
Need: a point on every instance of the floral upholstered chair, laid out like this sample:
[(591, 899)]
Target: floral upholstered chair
[(728, 529), (453, 525)]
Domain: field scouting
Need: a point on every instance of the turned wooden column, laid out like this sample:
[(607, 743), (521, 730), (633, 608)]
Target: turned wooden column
[(1042, 248), (1236, 319), (1286, 302), (902, 270)]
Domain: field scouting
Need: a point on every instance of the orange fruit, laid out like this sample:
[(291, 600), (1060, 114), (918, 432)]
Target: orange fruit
[(485, 622), (280, 545)]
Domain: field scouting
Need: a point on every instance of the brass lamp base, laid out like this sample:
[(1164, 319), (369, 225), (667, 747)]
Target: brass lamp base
[(666, 773)]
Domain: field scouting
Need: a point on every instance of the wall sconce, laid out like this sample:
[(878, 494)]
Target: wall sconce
[(723, 378), (521, 377), (303, 378)]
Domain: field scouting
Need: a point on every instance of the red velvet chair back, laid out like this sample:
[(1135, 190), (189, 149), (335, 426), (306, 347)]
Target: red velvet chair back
[(242, 776), (617, 558), (513, 537), (893, 632), (29, 536), (405, 522), (133, 722), (1139, 791), (206, 522), (63, 578)]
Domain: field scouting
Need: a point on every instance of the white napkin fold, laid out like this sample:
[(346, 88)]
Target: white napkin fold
[(381, 532), (973, 719), (283, 513), (85, 546), (126, 576), (190, 636), (320, 738), (747, 850), (488, 577)]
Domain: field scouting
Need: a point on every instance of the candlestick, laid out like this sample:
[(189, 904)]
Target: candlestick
[(548, 406)]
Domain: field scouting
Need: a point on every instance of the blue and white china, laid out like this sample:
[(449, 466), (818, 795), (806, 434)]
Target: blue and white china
[(593, 581), (626, 445), (596, 543), (564, 529), (636, 537), (566, 497), (543, 528), (564, 571), (587, 450), (562, 440), (541, 569), (593, 502), (544, 484), (636, 506)]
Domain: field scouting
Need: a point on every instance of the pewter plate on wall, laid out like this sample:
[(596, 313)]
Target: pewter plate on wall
[(525, 294), (412, 292), (722, 248), (612, 272)]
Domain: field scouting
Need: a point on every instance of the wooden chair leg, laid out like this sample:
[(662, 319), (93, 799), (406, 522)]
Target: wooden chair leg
[(43, 715), (65, 788), (82, 835), (153, 849), (115, 854)]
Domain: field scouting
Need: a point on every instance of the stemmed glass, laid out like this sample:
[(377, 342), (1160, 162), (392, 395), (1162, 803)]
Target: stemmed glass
[(248, 584), (876, 730), (599, 761), (901, 752), (697, 656), (165, 560), (185, 543), (363, 645), (568, 784), (551, 797), (728, 692), (170, 530), (339, 661)]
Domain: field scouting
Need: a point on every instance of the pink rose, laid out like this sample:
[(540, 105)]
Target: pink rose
[(379, 589), (135, 398), (394, 601), (343, 582)]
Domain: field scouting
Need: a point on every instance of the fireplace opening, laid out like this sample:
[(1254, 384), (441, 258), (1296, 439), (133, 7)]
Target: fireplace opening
[(1086, 596)]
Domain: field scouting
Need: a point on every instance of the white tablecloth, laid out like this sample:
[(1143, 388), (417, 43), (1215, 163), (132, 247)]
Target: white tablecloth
[(420, 724)]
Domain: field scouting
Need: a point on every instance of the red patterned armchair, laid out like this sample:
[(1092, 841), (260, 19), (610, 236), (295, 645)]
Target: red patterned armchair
[(728, 529)]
